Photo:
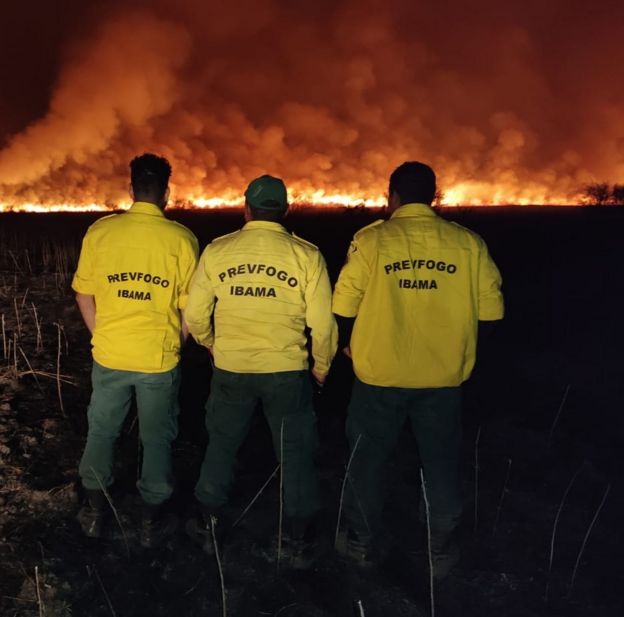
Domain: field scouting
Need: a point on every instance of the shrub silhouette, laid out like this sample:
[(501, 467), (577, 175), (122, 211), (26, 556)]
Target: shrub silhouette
[(597, 194)]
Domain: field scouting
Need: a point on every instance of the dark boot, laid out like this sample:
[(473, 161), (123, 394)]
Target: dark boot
[(200, 530), (156, 526), (299, 543), (356, 547), (444, 554), (92, 515)]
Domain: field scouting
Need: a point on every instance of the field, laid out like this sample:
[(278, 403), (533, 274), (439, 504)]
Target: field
[(543, 438)]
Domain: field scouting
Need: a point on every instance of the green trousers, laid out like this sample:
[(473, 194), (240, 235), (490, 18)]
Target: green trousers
[(375, 419), (287, 403), (157, 407)]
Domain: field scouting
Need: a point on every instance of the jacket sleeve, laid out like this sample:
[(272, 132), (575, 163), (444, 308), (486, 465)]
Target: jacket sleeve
[(188, 266), (352, 281), (83, 281), (345, 329), (491, 304), (200, 305), (319, 317)]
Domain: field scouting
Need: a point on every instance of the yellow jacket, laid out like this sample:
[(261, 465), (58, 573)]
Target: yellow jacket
[(418, 286), (138, 265), (264, 286)]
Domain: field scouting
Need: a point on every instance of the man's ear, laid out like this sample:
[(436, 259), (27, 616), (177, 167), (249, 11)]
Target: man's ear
[(394, 201), (131, 192), (248, 216), (166, 196)]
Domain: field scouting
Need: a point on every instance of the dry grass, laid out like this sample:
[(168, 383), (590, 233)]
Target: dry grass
[(281, 496), (114, 510), (344, 483), (427, 513), (589, 530), (213, 524)]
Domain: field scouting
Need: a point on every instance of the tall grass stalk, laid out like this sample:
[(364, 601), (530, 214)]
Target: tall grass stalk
[(476, 483), (213, 524), (134, 421), (17, 266), (281, 496), (64, 378), (256, 496), (554, 531), (39, 344), (32, 372), (114, 510), (138, 475), (17, 318), (108, 601), (28, 262), (359, 504), (58, 369), (46, 255), (344, 483), (9, 355), (23, 302), (4, 344), (427, 513), (39, 600), (561, 405), (502, 496), (589, 529)]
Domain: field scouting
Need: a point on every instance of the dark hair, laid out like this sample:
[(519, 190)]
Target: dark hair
[(414, 182), (273, 211), (149, 175)]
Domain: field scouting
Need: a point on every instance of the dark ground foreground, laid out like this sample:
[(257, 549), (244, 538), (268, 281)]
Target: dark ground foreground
[(557, 352)]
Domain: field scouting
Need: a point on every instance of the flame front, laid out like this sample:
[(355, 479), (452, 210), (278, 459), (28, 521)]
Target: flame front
[(460, 195)]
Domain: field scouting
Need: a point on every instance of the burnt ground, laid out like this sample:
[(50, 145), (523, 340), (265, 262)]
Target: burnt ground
[(562, 333)]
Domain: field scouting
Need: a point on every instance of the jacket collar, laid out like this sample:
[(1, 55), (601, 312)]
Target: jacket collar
[(413, 210), (264, 225), (143, 207)]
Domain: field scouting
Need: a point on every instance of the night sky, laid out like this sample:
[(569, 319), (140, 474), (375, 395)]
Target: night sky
[(513, 101)]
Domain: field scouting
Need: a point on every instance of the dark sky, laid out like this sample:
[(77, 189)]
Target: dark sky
[(508, 100)]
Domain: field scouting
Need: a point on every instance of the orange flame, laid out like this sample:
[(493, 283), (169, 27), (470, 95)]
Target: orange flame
[(463, 194)]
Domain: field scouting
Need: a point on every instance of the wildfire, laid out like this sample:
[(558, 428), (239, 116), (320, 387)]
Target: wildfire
[(342, 95)]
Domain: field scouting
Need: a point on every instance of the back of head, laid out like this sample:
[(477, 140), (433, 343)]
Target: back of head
[(413, 182), (149, 176), (267, 199)]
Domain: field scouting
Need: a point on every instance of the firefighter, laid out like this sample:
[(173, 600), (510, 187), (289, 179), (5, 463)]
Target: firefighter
[(131, 287), (262, 287), (409, 302)]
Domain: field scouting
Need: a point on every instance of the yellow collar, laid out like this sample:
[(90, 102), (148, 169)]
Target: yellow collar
[(264, 225), (144, 207), (413, 210)]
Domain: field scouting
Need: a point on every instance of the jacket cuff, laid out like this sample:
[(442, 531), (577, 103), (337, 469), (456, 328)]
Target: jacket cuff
[(345, 306)]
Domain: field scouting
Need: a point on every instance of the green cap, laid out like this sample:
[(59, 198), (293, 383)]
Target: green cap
[(267, 193)]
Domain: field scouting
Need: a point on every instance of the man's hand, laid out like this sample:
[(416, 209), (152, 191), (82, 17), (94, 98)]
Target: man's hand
[(86, 304), (318, 381), (184, 331), (319, 378), (347, 352)]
